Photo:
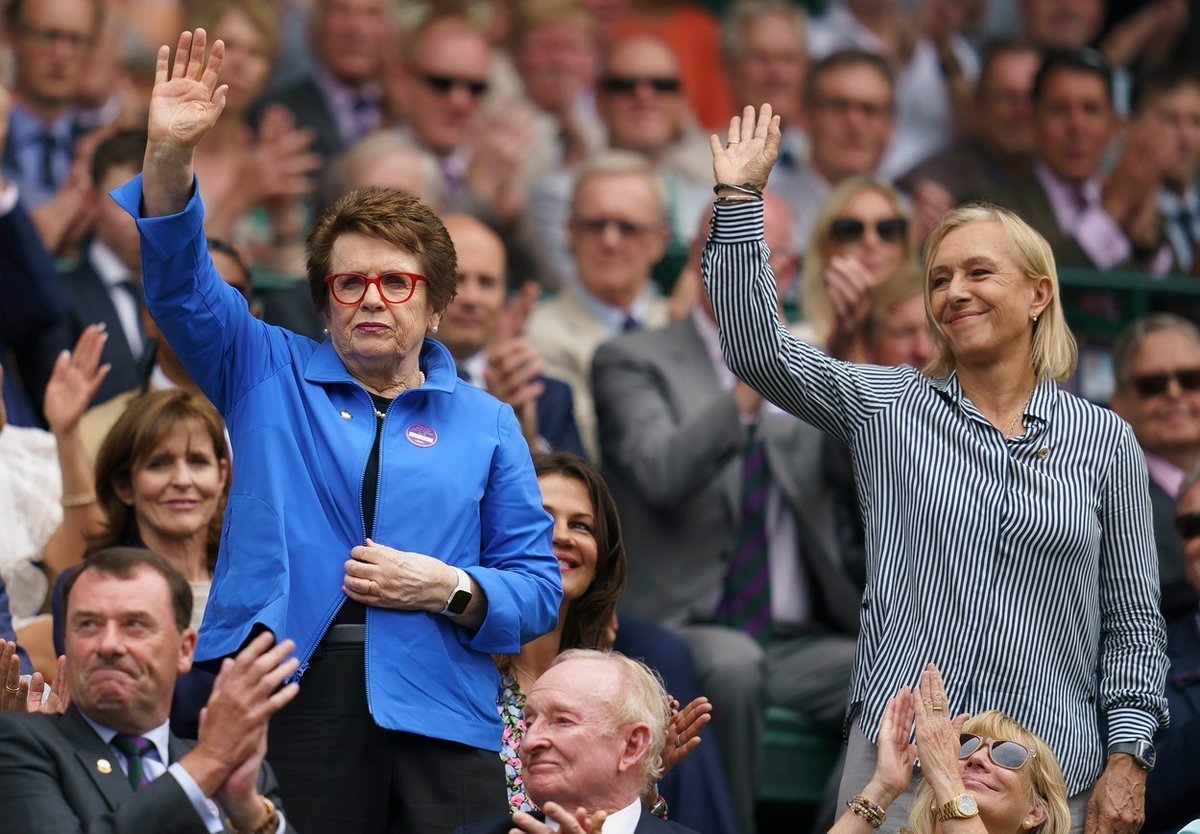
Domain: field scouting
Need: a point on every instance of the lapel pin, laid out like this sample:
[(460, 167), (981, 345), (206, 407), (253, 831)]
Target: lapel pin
[(1043, 453), (104, 766), (346, 415)]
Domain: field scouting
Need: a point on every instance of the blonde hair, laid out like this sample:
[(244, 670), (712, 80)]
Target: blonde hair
[(1046, 785), (1054, 352), (818, 312)]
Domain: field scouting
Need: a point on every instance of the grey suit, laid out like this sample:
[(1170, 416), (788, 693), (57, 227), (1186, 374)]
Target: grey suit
[(671, 440), (50, 781)]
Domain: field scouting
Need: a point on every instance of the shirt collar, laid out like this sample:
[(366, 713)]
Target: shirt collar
[(159, 736), (706, 328), (611, 317), (108, 266), (27, 127), (1167, 475), (618, 822), (1062, 194), (474, 366), (1041, 401)]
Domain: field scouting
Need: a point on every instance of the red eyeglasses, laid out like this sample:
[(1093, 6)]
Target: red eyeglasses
[(350, 288)]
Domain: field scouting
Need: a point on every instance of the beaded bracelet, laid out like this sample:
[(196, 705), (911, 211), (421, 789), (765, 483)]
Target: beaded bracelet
[(872, 812)]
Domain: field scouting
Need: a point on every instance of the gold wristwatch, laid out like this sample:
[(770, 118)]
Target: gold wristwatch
[(960, 807)]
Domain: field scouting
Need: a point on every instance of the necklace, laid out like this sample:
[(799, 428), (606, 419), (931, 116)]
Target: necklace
[(1021, 413), (403, 387)]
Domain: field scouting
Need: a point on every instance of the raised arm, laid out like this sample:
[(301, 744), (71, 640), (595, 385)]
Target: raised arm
[(184, 106)]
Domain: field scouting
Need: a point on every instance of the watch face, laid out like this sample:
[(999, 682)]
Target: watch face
[(459, 602), (1148, 755), (967, 806)]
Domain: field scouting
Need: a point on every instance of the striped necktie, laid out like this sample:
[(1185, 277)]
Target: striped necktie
[(747, 600), (135, 749)]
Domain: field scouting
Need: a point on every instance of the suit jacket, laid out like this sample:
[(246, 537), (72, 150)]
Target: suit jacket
[(1027, 198), (31, 315), (306, 103), (1178, 598), (566, 334), (49, 781), (671, 440), (502, 824), (90, 303), (1171, 790)]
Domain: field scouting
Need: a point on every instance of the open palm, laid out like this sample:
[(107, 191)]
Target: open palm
[(751, 149), (185, 104)]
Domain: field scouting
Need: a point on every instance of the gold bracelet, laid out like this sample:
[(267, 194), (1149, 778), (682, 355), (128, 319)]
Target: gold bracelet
[(268, 825), (80, 500), (872, 812)]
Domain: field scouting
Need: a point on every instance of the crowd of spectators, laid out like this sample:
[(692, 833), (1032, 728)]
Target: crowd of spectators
[(562, 147)]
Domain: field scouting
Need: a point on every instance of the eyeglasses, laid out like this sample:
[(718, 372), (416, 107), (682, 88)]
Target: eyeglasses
[(626, 84), (599, 225), (1188, 526), (847, 230), (443, 84), (1152, 385), (350, 288), (49, 37), (1003, 753)]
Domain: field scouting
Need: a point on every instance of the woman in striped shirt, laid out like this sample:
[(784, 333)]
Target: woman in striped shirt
[(1007, 521)]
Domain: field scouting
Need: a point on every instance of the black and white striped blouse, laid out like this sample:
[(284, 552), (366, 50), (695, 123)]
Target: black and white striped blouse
[(1024, 567)]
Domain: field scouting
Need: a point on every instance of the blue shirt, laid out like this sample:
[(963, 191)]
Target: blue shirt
[(456, 482)]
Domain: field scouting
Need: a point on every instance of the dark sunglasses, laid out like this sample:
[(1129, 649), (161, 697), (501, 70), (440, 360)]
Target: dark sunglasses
[(1003, 753), (626, 84), (1151, 385), (443, 84), (1188, 526), (845, 230)]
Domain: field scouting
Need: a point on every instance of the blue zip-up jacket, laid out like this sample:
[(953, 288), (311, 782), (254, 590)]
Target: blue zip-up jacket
[(302, 428)]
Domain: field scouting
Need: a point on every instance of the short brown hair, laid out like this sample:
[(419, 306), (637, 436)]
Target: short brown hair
[(206, 13), (123, 563), (393, 217), (140, 428)]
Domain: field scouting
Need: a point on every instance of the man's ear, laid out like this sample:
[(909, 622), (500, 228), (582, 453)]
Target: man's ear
[(637, 745), (187, 651)]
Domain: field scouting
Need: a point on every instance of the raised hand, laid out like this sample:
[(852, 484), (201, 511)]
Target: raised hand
[(186, 102), (937, 735), (894, 764), (751, 149), (74, 381), (16, 691)]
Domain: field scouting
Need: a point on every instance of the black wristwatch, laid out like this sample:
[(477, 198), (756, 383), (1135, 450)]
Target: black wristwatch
[(1142, 751), (460, 597)]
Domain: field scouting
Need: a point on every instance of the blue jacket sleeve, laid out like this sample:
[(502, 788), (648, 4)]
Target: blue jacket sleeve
[(517, 569), (221, 344)]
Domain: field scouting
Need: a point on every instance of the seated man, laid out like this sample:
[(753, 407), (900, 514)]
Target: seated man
[(680, 439), (110, 762), (1171, 798), (595, 729), (485, 339)]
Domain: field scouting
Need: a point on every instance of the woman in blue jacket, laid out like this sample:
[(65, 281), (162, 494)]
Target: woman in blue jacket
[(383, 514)]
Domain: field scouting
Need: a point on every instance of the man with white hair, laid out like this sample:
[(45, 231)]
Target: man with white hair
[(595, 728)]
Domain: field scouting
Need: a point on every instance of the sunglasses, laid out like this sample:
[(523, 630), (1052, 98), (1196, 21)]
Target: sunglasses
[(626, 84), (1152, 385), (846, 230), (1188, 526), (443, 84), (1003, 753), (599, 225)]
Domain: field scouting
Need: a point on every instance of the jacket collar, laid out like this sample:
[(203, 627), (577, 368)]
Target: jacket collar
[(325, 366)]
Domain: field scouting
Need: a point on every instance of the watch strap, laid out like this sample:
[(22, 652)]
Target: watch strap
[(460, 597)]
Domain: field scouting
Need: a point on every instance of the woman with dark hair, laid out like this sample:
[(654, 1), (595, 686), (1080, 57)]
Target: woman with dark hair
[(591, 556)]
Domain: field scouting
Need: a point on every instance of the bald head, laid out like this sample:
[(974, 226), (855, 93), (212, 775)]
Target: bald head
[(470, 320), (641, 99)]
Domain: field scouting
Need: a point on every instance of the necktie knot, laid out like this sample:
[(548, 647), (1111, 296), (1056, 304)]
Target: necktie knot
[(135, 749), (630, 323)]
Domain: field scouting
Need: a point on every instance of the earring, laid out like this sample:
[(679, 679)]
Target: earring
[(435, 327), (1035, 318), (325, 330)]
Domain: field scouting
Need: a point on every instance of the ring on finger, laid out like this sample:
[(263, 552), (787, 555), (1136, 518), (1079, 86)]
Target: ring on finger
[(678, 741), (17, 689), (734, 141)]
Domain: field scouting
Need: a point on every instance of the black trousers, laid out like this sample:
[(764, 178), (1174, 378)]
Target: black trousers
[(340, 773)]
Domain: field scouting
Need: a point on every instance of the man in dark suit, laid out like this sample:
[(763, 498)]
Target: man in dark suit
[(1156, 362), (1171, 797), (106, 284), (1090, 220), (679, 435), (110, 763), (342, 99), (484, 337), (595, 729)]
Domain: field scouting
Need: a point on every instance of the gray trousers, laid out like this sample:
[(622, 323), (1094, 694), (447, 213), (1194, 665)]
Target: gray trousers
[(860, 766), (807, 672)]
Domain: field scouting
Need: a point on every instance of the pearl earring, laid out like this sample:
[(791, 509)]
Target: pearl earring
[(1035, 318), (435, 327)]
